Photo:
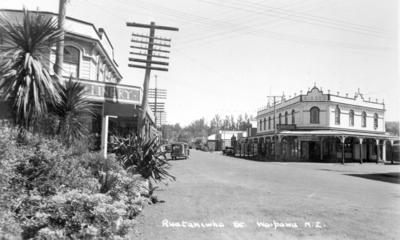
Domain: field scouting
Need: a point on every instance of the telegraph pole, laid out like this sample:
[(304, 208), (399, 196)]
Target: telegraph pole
[(275, 128), (149, 62), (155, 101), (62, 9)]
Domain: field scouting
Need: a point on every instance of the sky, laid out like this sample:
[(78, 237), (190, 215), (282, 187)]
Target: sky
[(228, 56)]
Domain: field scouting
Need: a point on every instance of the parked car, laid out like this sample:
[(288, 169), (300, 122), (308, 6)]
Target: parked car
[(180, 150), (229, 151), (164, 149)]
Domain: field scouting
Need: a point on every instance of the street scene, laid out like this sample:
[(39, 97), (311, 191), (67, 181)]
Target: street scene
[(325, 201), (199, 119)]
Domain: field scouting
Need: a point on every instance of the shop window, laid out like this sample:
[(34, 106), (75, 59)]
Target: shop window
[(314, 115)]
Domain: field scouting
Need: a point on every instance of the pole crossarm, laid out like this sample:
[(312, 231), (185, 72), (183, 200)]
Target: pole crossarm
[(155, 49), (155, 38), (145, 67), (150, 62), (146, 55), (154, 44), (157, 27)]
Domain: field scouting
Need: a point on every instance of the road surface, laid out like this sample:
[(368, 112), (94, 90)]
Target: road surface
[(220, 197)]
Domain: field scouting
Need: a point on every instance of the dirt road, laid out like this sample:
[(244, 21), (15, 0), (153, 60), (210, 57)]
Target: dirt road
[(219, 197)]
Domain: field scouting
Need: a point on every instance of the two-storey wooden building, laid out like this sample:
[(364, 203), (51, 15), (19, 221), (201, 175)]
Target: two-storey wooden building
[(89, 59)]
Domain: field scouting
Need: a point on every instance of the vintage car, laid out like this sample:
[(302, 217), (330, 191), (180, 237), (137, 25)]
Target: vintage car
[(179, 150), (228, 151)]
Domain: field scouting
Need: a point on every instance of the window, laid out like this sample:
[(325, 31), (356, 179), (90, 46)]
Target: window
[(364, 119), (269, 122), (280, 119), (71, 62), (337, 115), (286, 118), (351, 118), (101, 72), (375, 121), (293, 117), (274, 125), (265, 124), (314, 115), (260, 124)]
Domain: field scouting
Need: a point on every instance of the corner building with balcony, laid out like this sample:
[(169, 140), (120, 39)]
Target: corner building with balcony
[(89, 59), (324, 127)]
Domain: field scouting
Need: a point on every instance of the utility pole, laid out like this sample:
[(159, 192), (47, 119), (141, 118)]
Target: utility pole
[(149, 62), (62, 9), (155, 101), (275, 128)]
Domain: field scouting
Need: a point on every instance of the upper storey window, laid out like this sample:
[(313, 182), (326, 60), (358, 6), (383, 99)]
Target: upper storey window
[(293, 117), (375, 121), (265, 124), (260, 124), (351, 118), (314, 115), (280, 119), (269, 122), (337, 115), (71, 62), (286, 118), (364, 119)]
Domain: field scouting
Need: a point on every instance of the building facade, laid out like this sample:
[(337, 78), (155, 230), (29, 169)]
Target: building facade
[(320, 126), (223, 138), (89, 59)]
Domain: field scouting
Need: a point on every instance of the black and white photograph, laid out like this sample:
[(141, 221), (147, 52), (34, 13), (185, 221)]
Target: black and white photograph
[(199, 119)]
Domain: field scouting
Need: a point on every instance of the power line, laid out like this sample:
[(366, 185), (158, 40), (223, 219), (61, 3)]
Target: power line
[(302, 17)]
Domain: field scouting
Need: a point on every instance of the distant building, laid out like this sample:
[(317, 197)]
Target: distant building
[(320, 126), (222, 139), (89, 59)]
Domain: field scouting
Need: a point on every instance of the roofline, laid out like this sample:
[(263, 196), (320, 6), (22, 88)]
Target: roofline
[(102, 48), (77, 20), (308, 91), (271, 109)]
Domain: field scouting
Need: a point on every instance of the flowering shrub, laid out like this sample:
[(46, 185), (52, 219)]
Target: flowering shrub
[(50, 192)]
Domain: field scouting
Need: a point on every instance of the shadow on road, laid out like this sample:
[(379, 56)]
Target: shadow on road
[(390, 177)]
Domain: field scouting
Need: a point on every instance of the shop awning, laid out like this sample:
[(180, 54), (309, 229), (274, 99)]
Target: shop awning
[(333, 133)]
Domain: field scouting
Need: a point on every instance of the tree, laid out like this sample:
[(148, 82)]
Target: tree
[(239, 122), (71, 112), (26, 83), (392, 127), (226, 123)]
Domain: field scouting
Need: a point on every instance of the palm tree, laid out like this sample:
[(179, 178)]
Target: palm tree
[(24, 76), (71, 111)]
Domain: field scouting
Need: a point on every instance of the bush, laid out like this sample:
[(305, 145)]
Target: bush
[(51, 192), (141, 157)]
